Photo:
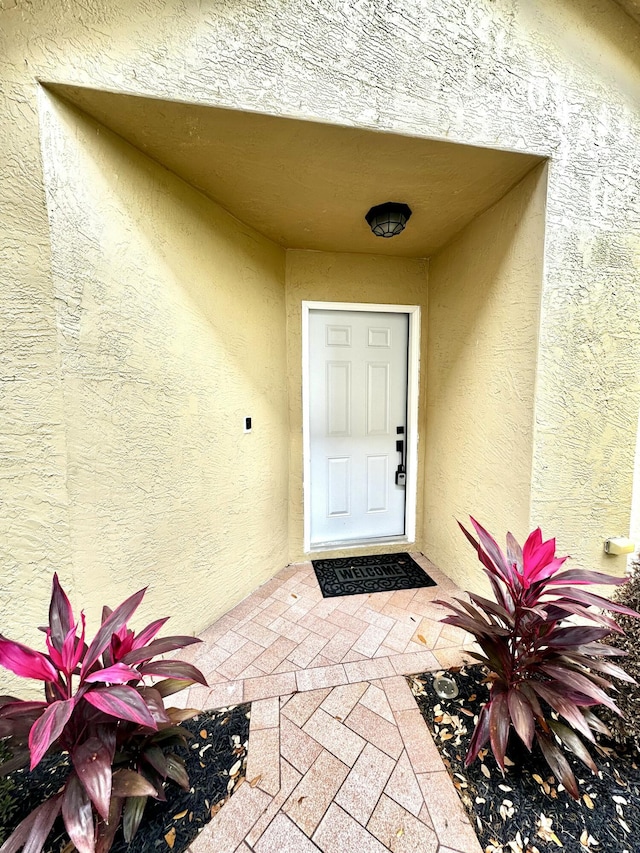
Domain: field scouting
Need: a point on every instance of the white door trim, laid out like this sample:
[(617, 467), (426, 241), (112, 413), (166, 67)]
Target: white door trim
[(413, 371)]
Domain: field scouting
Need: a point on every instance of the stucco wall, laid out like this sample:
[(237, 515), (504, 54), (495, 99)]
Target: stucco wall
[(171, 329), (484, 298), (344, 277), (554, 77)]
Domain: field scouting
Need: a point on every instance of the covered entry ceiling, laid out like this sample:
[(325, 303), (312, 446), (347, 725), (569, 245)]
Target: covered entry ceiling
[(308, 185)]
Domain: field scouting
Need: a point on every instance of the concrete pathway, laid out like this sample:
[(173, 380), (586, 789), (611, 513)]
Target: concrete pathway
[(339, 756)]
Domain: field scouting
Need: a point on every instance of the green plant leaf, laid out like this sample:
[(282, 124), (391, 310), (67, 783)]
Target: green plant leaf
[(133, 811), (128, 783), (571, 740), (558, 764), (177, 771), (154, 756), (171, 685)]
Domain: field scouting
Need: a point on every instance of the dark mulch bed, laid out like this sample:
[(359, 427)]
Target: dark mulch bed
[(527, 810), (219, 746)]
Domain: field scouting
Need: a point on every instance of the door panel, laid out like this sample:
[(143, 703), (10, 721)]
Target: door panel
[(338, 486), (377, 398), (338, 398), (357, 399), (377, 483)]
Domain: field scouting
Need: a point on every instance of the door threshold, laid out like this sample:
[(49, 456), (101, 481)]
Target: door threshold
[(352, 544)]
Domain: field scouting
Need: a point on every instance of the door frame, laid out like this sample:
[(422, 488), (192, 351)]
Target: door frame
[(413, 386)]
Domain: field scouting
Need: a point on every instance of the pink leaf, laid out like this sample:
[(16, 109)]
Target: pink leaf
[(54, 654), (92, 763), (539, 557), (32, 832), (158, 647), (60, 614), (111, 625), (582, 576), (480, 736), (499, 727), (174, 669), (123, 702), (493, 550), (589, 598), (26, 662), (48, 728), (68, 651), (19, 708), (147, 634), (78, 816), (154, 703), (119, 673), (521, 715)]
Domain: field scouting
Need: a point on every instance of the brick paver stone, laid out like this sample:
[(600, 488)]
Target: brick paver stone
[(339, 832), (231, 824), (283, 836), (447, 813), (375, 699), (334, 736), (403, 786), (296, 746), (365, 783), (312, 796), (342, 700), (302, 705), (263, 759), (400, 831), (375, 729)]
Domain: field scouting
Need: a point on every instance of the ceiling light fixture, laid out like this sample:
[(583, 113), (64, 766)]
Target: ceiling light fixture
[(388, 219)]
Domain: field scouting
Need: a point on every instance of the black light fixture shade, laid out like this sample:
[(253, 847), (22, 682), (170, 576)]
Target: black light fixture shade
[(388, 219)]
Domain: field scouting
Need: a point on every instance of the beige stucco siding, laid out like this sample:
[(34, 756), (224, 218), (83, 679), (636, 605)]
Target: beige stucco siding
[(171, 330), (484, 299)]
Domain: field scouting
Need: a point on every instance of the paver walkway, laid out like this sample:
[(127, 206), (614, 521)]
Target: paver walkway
[(339, 756)]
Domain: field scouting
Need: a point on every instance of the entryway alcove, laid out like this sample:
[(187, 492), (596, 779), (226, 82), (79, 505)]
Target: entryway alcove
[(185, 240)]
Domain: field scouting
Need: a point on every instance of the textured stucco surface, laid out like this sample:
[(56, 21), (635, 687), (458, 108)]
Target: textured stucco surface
[(307, 184), (171, 330), (344, 277), (554, 77), (484, 300)]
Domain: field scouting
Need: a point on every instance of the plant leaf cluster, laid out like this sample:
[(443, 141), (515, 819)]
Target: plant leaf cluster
[(98, 708), (537, 660)]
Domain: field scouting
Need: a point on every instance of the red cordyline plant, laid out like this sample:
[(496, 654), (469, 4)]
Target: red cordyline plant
[(536, 660), (98, 709)]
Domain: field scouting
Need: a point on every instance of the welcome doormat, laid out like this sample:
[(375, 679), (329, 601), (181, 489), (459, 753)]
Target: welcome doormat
[(378, 573)]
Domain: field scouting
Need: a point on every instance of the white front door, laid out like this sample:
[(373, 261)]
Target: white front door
[(357, 418)]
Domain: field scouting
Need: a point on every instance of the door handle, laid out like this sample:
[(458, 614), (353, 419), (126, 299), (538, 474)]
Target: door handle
[(401, 472)]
